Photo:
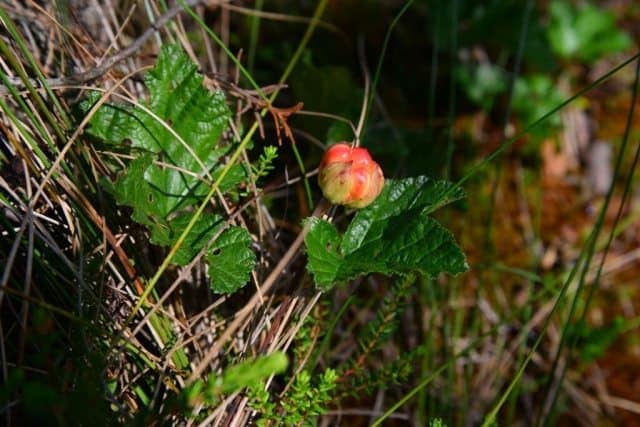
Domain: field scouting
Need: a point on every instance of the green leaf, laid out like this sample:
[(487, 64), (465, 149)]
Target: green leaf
[(174, 172), (170, 175), (592, 342), (230, 260), (133, 191), (585, 33), (420, 194), (251, 372), (167, 233), (392, 236), (245, 374), (436, 422), (323, 242), (229, 185), (562, 33)]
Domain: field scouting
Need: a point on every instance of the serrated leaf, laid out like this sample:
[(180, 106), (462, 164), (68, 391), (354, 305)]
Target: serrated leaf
[(132, 190), (236, 175), (166, 234), (175, 173), (323, 241), (230, 260), (392, 236), (171, 175), (419, 193)]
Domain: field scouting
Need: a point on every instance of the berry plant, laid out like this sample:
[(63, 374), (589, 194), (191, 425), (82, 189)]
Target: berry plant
[(260, 213)]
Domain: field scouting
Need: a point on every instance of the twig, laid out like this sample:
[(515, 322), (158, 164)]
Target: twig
[(242, 314), (98, 71), (283, 17), (367, 88)]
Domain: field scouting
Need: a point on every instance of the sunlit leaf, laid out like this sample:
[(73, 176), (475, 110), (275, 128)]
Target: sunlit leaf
[(230, 260), (394, 235), (176, 138)]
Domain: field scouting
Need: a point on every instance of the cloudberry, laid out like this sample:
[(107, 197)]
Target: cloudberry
[(349, 176)]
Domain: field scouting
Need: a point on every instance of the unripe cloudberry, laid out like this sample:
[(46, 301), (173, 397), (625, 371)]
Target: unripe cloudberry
[(349, 176)]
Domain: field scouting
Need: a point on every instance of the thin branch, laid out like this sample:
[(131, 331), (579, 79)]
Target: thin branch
[(121, 55)]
